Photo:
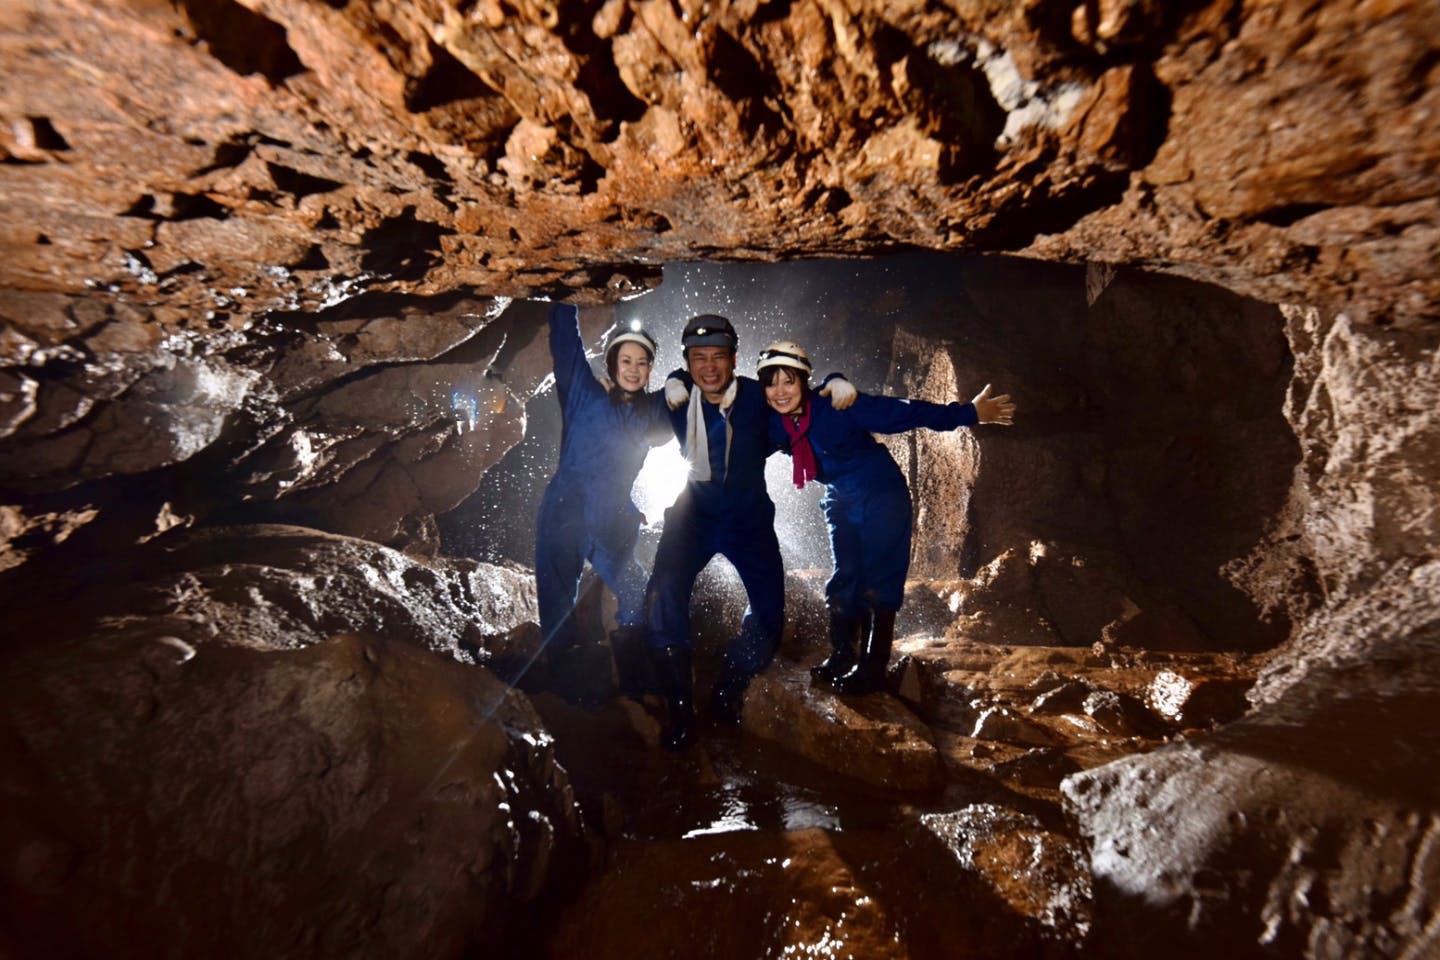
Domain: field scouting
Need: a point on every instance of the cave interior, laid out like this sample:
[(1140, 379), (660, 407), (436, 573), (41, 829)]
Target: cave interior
[(277, 411)]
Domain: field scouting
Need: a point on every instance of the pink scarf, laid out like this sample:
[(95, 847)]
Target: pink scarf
[(800, 450)]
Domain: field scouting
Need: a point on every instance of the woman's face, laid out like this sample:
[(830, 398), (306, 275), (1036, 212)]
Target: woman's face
[(784, 394), (632, 367)]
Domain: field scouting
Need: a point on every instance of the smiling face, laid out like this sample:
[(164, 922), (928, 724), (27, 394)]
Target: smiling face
[(712, 369), (785, 392), (632, 367)]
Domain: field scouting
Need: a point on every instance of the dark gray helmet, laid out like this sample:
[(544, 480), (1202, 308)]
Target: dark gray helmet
[(709, 330)]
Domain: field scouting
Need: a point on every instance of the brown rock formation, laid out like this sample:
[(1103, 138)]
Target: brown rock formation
[(258, 264), (198, 761), (169, 155)]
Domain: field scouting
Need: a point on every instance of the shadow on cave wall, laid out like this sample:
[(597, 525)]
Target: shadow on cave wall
[(1151, 438)]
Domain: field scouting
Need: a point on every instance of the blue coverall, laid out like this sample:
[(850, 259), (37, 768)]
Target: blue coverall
[(866, 504), (586, 513), (731, 515)]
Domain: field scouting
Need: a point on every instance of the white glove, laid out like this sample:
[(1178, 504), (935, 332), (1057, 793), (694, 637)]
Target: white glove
[(841, 392), (676, 395)]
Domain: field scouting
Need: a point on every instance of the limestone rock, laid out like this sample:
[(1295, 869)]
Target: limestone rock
[(358, 793), (1052, 888), (1329, 808), (873, 739)]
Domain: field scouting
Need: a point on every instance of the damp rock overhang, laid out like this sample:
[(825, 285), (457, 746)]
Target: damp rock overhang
[(198, 166)]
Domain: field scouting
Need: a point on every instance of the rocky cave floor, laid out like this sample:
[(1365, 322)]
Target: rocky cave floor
[(925, 821), (306, 741)]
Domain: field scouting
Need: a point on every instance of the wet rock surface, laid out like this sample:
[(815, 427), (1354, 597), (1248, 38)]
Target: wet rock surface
[(930, 820), (1306, 814), (216, 768), (1165, 677)]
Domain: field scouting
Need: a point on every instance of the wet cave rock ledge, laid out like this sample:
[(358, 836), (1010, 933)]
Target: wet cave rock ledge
[(268, 323)]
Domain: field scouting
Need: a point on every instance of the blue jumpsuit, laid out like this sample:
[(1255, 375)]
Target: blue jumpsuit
[(731, 515), (867, 504), (586, 513)]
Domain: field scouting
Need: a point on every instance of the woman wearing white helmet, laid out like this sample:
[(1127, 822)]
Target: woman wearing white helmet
[(586, 513), (866, 504)]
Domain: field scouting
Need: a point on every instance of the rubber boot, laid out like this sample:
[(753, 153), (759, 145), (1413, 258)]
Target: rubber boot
[(672, 670), (580, 674), (868, 675), (633, 669), (729, 696), (844, 631)]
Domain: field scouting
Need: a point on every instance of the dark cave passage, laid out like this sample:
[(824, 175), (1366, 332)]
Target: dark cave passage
[(1070, 567), (1151, 438), (1084, 604)]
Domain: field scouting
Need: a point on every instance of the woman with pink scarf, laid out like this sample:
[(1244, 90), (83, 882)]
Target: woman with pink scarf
[(866, 504)]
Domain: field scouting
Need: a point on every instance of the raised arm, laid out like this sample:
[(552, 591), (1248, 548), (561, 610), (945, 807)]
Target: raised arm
[(567, 352)]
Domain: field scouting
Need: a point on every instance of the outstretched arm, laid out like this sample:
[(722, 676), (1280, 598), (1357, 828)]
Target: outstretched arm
[(879, 414)]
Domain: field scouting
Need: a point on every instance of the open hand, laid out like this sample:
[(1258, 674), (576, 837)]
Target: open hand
[(990, 409)]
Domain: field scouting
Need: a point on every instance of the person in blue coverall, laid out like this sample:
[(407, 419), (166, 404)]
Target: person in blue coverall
[(866, 504), (586, 513), (722, 423)]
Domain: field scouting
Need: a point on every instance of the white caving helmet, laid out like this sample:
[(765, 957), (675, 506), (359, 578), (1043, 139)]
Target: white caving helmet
[(632, 333), (785, 353)]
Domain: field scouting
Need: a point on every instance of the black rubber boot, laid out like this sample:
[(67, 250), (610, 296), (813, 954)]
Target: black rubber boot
[(580, 674), (729, 696), (844, 632), (672, 669), (633, 669), (868, 675)]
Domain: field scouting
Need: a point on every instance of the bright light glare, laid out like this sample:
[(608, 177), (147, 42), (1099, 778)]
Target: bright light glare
[(660, 481)]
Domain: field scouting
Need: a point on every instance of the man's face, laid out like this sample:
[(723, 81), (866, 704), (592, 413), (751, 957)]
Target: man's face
[(711, 368)]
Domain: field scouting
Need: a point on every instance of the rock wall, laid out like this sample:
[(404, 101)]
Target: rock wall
[(260, 742), (274, 242), (1328, 781), (1151, 451)]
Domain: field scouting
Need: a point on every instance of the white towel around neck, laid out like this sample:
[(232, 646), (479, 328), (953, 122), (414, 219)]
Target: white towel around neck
[(697, 438)]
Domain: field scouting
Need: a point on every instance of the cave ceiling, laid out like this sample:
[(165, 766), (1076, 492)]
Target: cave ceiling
[(196, 165)]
